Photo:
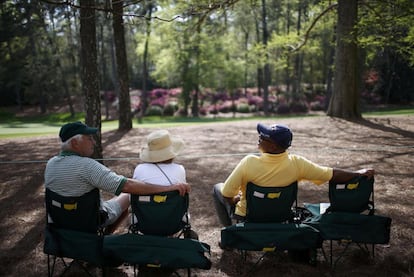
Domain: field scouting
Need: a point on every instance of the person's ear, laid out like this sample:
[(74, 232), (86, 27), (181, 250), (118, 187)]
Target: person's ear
[(74, 143)]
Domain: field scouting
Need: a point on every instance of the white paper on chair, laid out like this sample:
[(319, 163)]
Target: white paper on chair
[(323, 207)]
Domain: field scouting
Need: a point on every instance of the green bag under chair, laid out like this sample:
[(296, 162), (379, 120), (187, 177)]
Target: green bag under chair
[(270, 237), (156, 251), (360, 228)]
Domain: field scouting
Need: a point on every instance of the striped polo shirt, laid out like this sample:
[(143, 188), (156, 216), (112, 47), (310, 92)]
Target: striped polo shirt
[(69, 174)]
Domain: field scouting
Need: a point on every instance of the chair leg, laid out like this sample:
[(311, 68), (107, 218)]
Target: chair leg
[(135, 270), (83, 268), (253, 267), (341, 254), (50, 268), (324, 254), (373, 251), (66, 266), (330, 254)]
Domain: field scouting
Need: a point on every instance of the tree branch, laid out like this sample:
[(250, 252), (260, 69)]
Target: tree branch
[(308, 31), (202, 10)]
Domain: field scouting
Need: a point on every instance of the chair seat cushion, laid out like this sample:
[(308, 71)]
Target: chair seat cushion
[(74, 244)]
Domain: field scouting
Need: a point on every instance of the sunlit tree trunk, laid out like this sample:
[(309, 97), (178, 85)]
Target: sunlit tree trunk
[(344, 102), (266, 69), (194, 98), (145, 75)]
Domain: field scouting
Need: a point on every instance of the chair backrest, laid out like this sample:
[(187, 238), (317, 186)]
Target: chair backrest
[(354, 196), (270, 204), (74, 213), (159, 214)]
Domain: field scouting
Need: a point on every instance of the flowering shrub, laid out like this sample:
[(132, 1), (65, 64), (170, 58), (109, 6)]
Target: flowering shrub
[(372, 87), (299, 107), (157, 93), (203, 110), (226, 107), (165, 101), (255, 100), (282, 108), (160, 102), (318, 103), (371, 97), (175, 92), (219, 96)]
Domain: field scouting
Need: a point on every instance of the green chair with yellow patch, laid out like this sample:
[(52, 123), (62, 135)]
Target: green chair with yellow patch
[(350, 218), (271, 224), (161, 229), (73, 232)]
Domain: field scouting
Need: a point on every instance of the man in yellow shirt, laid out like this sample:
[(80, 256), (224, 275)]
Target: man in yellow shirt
[(274, 167)]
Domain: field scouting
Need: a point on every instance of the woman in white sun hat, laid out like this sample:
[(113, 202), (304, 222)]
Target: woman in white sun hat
[(157, 155), (158, 167)]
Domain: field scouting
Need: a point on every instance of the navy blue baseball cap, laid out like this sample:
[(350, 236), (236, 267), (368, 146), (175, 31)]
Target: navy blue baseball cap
[(279, 134), (75, 128)]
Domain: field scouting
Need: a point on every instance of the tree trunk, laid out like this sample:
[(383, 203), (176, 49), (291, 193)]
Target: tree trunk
[(90, 79), (73, 66), (144, 95), (344, 102), (266, 69), (101, 53), (196, 88), (125, 115)]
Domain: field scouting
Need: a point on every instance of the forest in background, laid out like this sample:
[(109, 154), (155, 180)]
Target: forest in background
[(200, 57)]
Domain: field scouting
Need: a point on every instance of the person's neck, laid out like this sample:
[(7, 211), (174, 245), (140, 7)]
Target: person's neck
[(275, 152), (68, 153)]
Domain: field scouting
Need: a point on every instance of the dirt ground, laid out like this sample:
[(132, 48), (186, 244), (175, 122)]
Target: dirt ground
[(212, 151)]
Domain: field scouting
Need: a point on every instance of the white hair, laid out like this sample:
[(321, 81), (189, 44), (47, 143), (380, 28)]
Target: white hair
[(65, 146)]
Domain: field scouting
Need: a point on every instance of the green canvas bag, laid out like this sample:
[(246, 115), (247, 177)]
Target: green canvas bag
[(373, 229), (270, 237), (157, 251)]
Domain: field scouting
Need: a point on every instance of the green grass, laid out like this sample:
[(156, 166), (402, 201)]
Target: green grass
[(386, 112), (12, 126)]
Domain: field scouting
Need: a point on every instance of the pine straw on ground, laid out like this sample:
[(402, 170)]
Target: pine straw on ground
[(212, 151)]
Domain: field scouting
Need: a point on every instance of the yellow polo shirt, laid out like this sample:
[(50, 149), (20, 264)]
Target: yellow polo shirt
[(272, 170)]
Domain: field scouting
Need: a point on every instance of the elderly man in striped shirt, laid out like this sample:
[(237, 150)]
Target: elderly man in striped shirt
[(74, 173)]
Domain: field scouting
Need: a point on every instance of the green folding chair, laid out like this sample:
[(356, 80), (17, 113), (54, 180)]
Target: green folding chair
[(270, 224), (73, 231), (161, 214), (350, 218), (271, 204), (165, 215)]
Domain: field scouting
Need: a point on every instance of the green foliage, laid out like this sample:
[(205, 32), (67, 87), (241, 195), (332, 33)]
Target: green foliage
[(243, 108), (154, 110), (198, 45), (170, 108), (387, 24)]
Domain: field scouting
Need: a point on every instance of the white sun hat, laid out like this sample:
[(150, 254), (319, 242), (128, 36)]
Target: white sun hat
[(160, 146)]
